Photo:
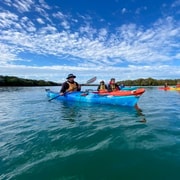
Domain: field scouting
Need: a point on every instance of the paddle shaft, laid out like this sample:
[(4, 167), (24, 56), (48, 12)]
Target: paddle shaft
[(54, 97)]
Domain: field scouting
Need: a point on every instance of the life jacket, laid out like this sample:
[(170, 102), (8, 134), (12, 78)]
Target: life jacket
[(72, 87), (113, 86), (102, 88)]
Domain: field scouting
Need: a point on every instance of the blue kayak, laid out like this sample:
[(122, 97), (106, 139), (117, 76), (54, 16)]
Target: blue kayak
[(130, 99)]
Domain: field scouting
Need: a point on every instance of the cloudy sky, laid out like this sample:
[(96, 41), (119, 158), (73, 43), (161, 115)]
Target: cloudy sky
[(125, 39)]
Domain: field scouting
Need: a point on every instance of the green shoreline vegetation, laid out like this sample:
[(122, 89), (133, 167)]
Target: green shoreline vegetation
[(16, 81)]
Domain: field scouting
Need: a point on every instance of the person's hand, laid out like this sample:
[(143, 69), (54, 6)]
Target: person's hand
[(61, 94)]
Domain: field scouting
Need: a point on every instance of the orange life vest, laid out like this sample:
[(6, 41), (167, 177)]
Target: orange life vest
[(72, 87), (102, 88), (113, 87)]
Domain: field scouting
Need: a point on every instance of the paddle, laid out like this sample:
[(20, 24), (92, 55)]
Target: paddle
[(88, 82), (54, 97), (91, 80)]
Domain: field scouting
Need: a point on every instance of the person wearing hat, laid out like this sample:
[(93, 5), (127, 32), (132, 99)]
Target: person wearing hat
[(70, 85), (178, 84), (113, 86), (102, 87)]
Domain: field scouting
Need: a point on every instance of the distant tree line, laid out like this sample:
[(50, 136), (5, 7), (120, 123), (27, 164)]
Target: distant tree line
[(149, 82), (15, 81)]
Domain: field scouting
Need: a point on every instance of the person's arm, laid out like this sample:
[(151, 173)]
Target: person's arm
[(64, 87)]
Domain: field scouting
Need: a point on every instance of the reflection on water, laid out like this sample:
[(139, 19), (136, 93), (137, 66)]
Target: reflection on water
[(74, 110)]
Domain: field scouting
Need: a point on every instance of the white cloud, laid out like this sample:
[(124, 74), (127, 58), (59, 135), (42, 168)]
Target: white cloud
[(44, 4), (7, 19), (7, 54), (40, 21), (59, 15), (7, 2), (23, 6), (65, 24)]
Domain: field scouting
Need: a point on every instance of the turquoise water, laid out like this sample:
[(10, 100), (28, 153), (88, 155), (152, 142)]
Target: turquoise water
[(57, 140)]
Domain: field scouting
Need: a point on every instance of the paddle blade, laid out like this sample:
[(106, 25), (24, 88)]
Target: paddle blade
[(91, 80)]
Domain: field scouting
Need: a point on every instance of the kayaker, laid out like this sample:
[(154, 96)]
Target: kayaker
[(113, 86), (178, 85), (70, 85), (122, 86), (165, 85), (102, 87)]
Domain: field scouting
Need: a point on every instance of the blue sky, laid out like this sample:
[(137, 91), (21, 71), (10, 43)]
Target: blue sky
[(124, 39)]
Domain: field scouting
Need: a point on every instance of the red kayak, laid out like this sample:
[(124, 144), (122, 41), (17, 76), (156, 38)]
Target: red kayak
[(136, 92)]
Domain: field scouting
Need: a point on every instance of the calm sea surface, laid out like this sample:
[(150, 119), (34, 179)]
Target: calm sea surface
[(56, 140)]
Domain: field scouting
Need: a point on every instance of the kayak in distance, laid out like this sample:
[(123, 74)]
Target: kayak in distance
[(120, 98), (175, 88), (169, 88)]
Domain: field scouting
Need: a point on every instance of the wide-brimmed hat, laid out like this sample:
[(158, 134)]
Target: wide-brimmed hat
[(71, 76)]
